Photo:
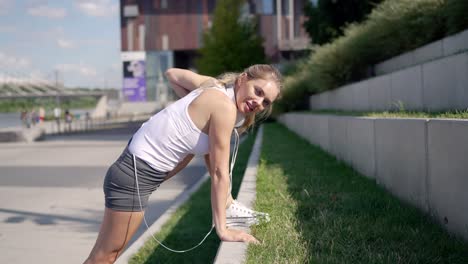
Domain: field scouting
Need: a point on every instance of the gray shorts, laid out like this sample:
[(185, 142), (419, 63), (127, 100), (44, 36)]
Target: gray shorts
[(120, 188)]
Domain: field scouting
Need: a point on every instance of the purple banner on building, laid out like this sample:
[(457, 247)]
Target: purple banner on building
[(134, 83)]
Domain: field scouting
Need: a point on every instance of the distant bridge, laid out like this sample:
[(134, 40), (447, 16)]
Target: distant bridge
[(13, 88)]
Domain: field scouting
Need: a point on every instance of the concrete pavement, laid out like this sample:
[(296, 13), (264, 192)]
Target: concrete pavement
[(51, 199)]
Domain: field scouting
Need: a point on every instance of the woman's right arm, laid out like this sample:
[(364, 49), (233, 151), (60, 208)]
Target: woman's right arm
[(221, 124), (184, 81)]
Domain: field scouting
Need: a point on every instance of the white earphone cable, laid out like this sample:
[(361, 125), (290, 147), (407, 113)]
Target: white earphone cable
[(233, 161)]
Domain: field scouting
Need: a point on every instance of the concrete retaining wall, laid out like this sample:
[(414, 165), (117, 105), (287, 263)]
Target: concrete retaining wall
[(361, 145), (435, 50), (400, 147), (448, 173), (437, 85), (421, 161)]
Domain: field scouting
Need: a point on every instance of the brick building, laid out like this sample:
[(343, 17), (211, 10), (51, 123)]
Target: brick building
[(159, 34)]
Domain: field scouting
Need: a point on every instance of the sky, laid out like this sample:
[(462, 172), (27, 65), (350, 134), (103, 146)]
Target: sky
[(76, 40)]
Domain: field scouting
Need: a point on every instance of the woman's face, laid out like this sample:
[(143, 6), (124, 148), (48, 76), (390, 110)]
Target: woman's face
[(253, 96)]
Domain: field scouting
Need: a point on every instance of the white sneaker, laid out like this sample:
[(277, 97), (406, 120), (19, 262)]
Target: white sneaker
[(238, 214)]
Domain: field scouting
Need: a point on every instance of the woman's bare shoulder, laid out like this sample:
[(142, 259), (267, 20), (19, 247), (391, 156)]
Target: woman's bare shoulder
[(216, 100)]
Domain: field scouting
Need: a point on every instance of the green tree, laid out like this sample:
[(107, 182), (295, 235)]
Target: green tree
[(232, 43), (326, 19)]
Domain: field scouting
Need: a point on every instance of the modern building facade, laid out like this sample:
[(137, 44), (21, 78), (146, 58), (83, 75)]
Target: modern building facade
[(159, 34)]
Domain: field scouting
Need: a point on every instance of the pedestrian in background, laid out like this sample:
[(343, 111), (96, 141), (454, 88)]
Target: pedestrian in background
[(41, 114), (57, 116), (68, 120)]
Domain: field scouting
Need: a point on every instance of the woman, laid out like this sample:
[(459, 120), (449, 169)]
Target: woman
[(201, 122)]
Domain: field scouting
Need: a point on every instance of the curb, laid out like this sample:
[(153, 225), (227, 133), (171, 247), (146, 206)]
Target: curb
[(236, 252), (156, 226)]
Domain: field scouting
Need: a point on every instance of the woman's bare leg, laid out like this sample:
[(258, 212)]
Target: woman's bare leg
[(116, 230), (229, 200)]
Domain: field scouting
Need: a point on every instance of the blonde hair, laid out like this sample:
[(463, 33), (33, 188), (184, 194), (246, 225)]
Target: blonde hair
[(257, 71)]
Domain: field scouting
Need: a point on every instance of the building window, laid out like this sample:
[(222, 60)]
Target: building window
[(165, 42), (141, 37), (285, 7), (163, 4), (130, 11), (267, 7), (129, 35)]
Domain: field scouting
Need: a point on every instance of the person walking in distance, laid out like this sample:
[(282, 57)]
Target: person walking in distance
[(57, 115)]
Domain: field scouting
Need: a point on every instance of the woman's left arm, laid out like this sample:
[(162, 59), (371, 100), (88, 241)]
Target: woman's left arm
[(221, 125), (184, 81)]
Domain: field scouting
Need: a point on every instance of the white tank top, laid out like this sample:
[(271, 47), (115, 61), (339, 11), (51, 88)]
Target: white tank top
[(170, 135)]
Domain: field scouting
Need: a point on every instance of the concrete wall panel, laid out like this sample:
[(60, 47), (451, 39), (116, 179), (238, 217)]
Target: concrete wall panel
[(462, 81), (338, 137), (456, 43), (294, 122), (399, 62), (319, 126), (314, 101), (380, 93), (428, 52), (445, 47), (361, 149), (300, 121), (323, 101), (448, 173), (314, 128), (319, 101), (333, 99), (401, 158), (343, 98), (445, 82), (286, 121), (360, 92), (407, 88)]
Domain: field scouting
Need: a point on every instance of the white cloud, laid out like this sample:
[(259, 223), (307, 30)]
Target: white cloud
[(97, 8), (45, 11), (84, 70), (8, 62), (65, 44)]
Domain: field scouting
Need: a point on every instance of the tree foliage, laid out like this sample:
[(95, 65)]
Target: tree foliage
[(232, 43), (327, 19)]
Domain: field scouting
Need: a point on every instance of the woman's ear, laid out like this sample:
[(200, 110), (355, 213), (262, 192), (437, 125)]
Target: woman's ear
[(243, 77)]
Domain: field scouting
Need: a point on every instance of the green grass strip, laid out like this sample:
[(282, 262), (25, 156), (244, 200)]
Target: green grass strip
[(191, 221), (457, 114), (323, 211)]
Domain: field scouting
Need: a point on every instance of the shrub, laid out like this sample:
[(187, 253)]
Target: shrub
[(393, 27)]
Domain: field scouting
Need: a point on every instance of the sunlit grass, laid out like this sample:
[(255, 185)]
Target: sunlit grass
[(322, 211)]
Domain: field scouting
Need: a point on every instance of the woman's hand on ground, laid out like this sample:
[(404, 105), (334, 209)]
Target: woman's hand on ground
[(234, 235)]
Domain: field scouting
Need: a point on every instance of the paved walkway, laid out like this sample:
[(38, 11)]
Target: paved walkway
[(51, 200)]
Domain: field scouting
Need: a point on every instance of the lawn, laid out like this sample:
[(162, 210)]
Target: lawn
[(323, 211)]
